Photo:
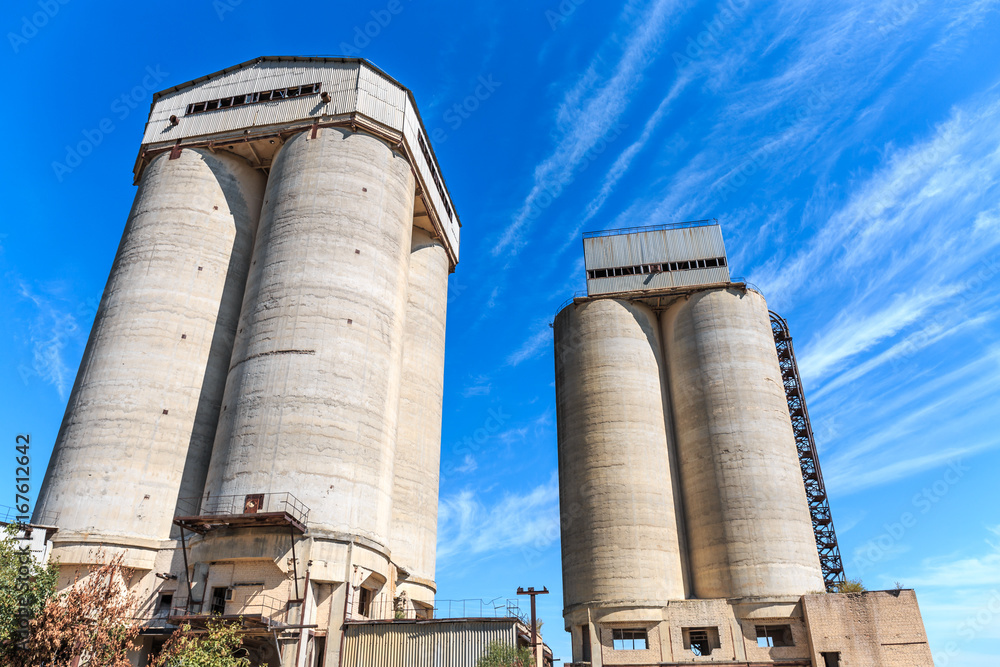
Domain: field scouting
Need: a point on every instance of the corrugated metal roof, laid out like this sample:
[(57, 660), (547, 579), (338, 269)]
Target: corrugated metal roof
[(653, 246), (452, 643)]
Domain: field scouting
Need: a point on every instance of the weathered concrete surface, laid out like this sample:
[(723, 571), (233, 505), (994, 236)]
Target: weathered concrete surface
[(418, 435), (619, 529), (141, 419), (748, 524), (312, 398), (881, 628)]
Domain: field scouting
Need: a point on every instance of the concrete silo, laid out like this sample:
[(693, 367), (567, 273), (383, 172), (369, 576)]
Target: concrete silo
[(687, 533), (313, 395), (418, 433), (749, 530), (277, 398), (141, 418), (620, 535)]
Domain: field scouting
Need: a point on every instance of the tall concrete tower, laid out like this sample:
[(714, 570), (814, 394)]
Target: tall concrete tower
[(687, 534), (256, 421)]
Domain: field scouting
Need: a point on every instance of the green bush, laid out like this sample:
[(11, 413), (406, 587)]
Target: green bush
[(501, 655)]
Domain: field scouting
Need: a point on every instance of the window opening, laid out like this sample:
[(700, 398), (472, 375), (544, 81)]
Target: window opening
[(701, 641), (629, 640), (831, 658), (585, 639), (666, 267), (434, 174), (219, 600), (163, 606), (774, 635), (251, 98), (365, 596)]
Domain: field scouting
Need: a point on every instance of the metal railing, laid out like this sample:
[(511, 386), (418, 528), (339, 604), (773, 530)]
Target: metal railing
[(576, 295), (272, 611), (10, 515), (247, 503), (749, 285), (443, 609), (652, 228)]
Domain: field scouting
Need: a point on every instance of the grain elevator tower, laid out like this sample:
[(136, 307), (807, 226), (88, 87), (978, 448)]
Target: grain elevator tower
[(256, 421), (687, 531)]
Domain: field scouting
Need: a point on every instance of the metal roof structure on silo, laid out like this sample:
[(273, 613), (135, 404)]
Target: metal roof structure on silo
[(643, 259)]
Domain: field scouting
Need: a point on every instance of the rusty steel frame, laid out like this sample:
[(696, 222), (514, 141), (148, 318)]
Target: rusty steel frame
[(805, 443)]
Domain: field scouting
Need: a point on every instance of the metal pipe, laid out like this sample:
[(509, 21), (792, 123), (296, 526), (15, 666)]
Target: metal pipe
[(187, 577), (295, 561)]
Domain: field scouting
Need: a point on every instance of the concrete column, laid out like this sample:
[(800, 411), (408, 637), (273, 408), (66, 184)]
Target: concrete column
[(748, 523), (141, 419), (619, 529), (418, 435), (312, 397)]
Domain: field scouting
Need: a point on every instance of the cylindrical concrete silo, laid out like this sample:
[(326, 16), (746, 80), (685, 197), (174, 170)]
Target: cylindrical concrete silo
[(748, 524), (312, 398), (619, 528), (141, 420), (418, 435)]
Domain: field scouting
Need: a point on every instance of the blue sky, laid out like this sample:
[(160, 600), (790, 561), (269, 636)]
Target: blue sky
[(851, 151)]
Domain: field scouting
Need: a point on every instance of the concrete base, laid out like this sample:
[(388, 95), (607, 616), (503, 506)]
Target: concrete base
[(873, 629)]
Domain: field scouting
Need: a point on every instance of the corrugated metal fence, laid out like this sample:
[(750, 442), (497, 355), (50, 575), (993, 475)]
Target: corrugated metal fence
[(448, 643)]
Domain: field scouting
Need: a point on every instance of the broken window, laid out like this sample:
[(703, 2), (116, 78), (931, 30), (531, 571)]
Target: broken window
[(831, 658), (629, 640), (164, 604), (774, 635), (365, 597), (250, 98), (701, 641), (434, 174), (645, 269), (219, 600)]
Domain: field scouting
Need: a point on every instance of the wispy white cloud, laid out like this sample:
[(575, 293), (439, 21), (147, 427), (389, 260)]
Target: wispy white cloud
[(50, 332), (592, 107), (624, 161), (480, 386), (468, 525), (469, 464), (532, 347), (851, 335)]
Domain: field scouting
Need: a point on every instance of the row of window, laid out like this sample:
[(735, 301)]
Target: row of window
[(253, 98), (700, 641), (665, 267), (434, 173)]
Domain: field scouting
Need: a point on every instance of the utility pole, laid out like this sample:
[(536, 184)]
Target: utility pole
[(534, 626)]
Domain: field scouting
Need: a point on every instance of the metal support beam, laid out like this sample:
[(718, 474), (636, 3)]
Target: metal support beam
[(295, 563), (805, 443), (534, 624)]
